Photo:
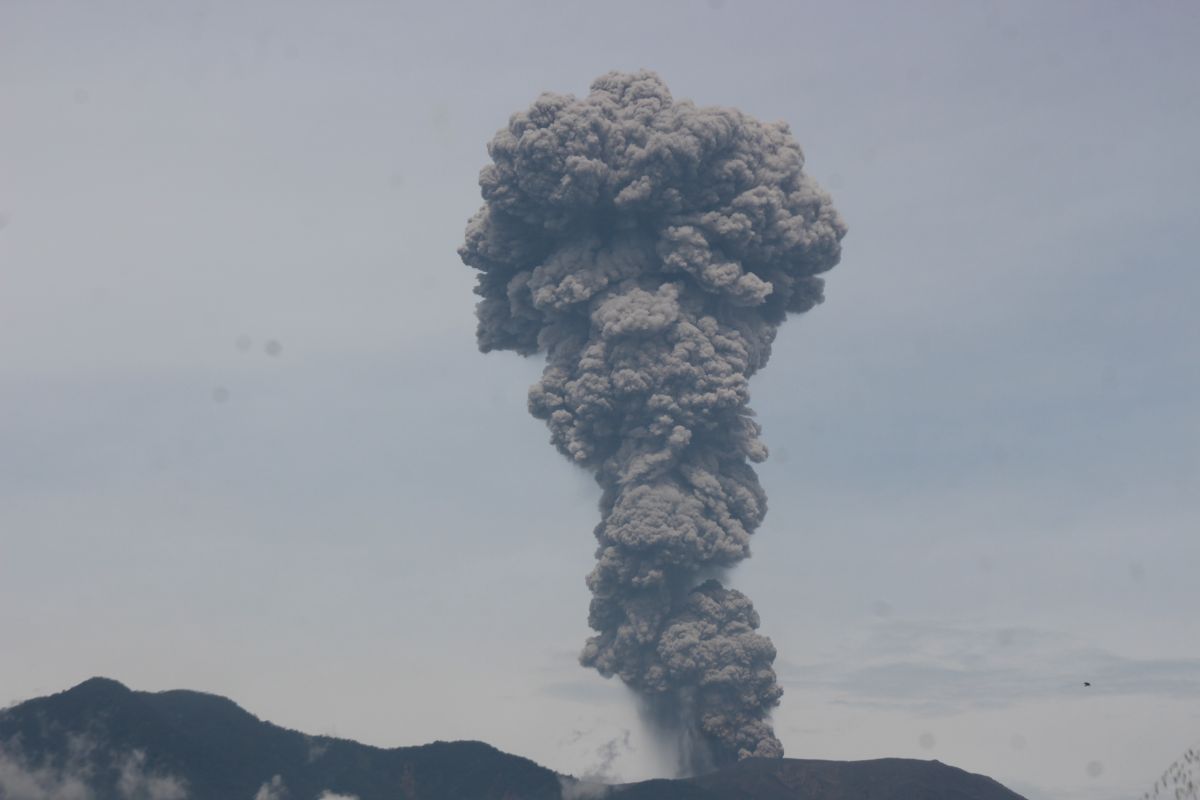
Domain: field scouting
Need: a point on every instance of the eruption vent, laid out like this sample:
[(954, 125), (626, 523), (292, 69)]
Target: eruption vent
[(651, 249)]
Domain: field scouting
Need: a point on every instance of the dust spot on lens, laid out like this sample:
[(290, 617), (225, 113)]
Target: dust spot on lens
[(1018, 742), (927, 740), (1094, 769), (273, 348), (220, 395)]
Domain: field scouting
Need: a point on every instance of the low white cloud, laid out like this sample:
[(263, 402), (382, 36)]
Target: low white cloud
[(136, 783), (328, 795), (24, 778), (274, 789), (20, 780)]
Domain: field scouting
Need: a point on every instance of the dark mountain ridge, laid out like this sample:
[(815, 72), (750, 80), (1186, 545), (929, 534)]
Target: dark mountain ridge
[(185, 745)]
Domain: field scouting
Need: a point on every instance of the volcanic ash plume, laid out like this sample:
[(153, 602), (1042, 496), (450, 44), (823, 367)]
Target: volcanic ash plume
[(651, 249)]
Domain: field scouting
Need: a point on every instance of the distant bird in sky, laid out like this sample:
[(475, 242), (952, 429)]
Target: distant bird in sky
[(1087, 683)]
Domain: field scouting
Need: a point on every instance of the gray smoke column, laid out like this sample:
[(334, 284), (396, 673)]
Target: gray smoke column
[(650, 249)]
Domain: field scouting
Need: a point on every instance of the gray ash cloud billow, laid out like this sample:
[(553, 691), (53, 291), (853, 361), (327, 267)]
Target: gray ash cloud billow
[(651, 248)]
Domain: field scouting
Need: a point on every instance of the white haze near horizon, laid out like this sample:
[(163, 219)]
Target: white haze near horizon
[(248, 446)]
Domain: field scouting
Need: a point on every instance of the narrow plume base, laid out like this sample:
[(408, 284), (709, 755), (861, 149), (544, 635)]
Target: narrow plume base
[(671, 720)]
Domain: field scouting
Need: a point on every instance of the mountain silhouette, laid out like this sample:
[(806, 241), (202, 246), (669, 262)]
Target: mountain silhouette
[(103, 741)]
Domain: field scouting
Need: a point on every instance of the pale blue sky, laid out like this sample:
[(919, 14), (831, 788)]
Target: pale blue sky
[(985, 444)]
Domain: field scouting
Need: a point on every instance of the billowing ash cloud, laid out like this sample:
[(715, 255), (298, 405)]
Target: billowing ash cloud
[(650, 249)]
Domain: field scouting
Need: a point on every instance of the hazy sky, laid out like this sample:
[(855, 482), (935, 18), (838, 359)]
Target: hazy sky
[(247, 444)]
